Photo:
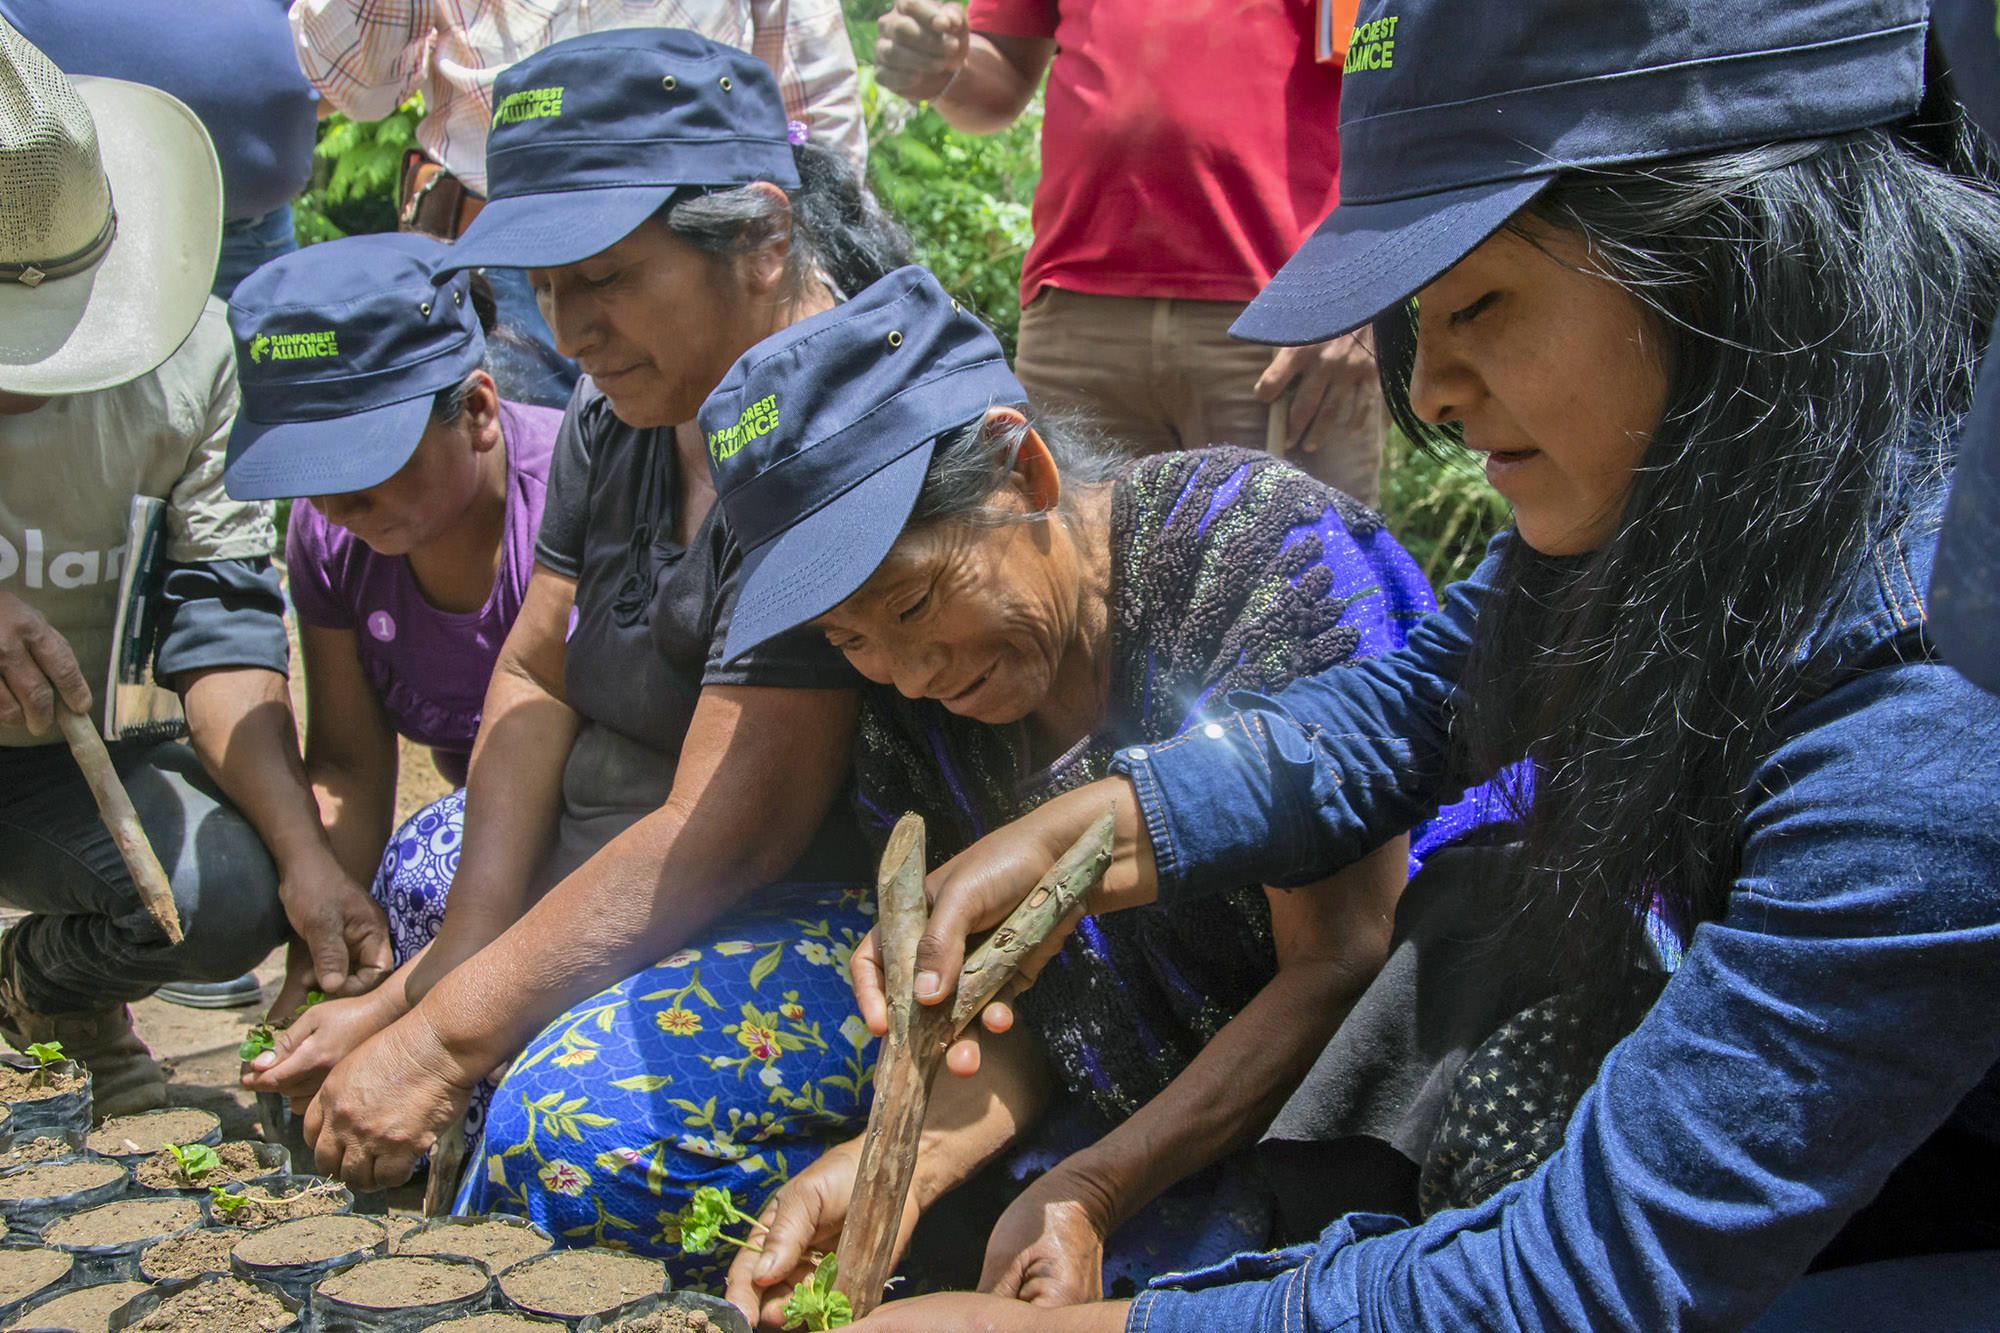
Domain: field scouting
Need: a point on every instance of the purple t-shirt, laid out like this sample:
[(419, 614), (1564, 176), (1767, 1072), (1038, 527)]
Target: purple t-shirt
[(429, 667)]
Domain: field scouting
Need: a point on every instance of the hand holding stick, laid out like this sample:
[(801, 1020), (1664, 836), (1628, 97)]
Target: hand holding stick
[(919, 1035), (114, 807)]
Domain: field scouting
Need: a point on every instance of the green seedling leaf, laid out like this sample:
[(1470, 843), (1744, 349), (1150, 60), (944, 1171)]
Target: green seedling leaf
[(225, 1201), (45, 1052), (257, 1041), (313, 997), (701, 1220), (195, 1160), (814, 1304)]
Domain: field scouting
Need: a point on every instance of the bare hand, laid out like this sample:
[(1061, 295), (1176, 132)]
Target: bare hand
[(37, 667), (802, 1219), (1337, 387), (920, 46), (343, 929), (1048, 1247), (958, 1312), (384, 1106), (307, 1051)]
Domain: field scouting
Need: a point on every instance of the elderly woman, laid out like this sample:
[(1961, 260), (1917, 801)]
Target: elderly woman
[(1031, 604), (632, 798)]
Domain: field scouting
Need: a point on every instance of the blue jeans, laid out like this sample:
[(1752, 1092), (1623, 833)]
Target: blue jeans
[(522, 352), (250, 243)]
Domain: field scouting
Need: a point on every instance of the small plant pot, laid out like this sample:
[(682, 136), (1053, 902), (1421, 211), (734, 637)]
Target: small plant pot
[(401, 1294), (58, 1105), (77, 1310), (108, 1239), (30, 1273), (190, 1254), (47, 1192), (32, 1152), (571, 1285), (501, 1321), (286, 1199), (491, 1239), (294, 1256), (6, 1131), (697, 1314), (244, 1162), (210, 1305), (133, 1138)]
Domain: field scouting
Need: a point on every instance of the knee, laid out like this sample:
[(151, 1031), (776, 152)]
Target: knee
[(422, 855), (227, 896)]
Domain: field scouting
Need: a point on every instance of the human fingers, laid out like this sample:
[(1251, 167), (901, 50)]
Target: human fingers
[(263, 1071), (28, 700), (326, 938), (370, 948), (326, 1152), (58, 663), (1283, 369), (963, 1057), (864, 972), (357, 1168)]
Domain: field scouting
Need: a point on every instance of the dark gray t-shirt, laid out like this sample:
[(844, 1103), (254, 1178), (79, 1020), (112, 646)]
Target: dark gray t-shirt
[(647, 634)]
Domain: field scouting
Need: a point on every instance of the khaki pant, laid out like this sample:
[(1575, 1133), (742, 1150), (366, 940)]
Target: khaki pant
[(1158, 373)]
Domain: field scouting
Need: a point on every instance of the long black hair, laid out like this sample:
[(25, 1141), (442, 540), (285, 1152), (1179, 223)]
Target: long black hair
[(1822, 305)]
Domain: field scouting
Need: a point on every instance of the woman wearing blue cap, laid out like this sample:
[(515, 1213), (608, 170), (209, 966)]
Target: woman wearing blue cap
[(365, 394), (639, 814), (1679, 274)]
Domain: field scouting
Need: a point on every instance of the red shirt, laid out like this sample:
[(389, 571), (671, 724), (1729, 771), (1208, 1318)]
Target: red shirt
[(1188, 148)]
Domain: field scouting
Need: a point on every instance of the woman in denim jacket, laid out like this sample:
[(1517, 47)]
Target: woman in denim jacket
[(1707, 298)]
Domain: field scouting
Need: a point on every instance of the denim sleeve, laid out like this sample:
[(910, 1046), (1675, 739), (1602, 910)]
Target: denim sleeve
[(1830, 1022), (1299, 783), (221, 613)]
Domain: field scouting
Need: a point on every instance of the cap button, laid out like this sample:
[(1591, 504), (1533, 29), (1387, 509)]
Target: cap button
[(425, 310), (726, 84), (895, 339), (670, 83)]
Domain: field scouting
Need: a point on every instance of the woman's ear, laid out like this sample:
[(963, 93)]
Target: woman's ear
[(481, 415), (763, 265), (1035, 473)]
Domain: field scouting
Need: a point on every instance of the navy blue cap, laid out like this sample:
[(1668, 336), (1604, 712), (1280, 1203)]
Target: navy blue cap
[(340, 349), (819, 438), (592, 135), (1965, 584), (1448, 127)]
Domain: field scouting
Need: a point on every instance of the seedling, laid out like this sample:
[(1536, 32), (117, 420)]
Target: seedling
[(195, 1160), (701, 1221), (225, 1200), (44, 1054), (264, 1036), (814, 1304)]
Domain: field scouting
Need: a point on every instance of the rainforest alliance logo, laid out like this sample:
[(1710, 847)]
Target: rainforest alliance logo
[(758, 420), (314, 346), (529, 104), (1373, 46)]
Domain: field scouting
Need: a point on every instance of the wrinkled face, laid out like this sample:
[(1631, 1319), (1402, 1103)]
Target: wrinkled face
[(425, 496), (975, 615), (653, 320), (1554, 373)]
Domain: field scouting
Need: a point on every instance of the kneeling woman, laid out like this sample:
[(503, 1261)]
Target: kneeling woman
[(408, 563), (638, 815), (1720, 386), (1027, 603)]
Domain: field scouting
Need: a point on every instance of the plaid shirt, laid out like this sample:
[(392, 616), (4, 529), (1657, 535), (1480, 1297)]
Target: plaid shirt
[(367, 57)]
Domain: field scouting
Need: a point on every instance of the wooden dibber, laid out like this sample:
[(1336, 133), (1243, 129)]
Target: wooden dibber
[(919, 1035), (114, 807)]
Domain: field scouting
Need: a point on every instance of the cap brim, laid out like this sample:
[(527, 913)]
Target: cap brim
[(820, 561), (1964, 609), (1366, 258), (552, 229), (285, 459), (122, 318)]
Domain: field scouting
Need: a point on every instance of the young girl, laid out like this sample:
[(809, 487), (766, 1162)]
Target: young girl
[(1710, 312)]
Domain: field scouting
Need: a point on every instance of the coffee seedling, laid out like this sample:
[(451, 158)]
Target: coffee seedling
[(225, 1200), (194, 1160), (814, 1304), (44, 1054), (263, 1037), (702, 1218)]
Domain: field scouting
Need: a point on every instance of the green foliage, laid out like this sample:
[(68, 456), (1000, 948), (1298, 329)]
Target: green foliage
[(45, 1053), (814, 1304), (704, 1215), (225, 1200), (195, 1160), (1441, 510), (965, 198), (256, 1041), (356, 167)]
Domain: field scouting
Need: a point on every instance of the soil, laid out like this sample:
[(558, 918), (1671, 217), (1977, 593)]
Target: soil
[(25, 1272), (19, 1085), (150, 1131), (198, 1252), (392, 1284), (35, 1150), (86, 1311), (498, 1245), (261, 1208), (219, 1303), (308, 1240), (665, 1321), (53, 1182), (573, 1283), (492, 1323), (123, 1222), (239, 1162)]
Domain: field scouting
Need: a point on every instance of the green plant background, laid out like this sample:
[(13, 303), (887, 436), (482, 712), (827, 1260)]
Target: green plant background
[(966, 200)]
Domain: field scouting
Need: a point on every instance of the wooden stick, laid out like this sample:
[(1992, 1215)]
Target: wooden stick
[(114, 807), (919, 1035), (447, 1163)]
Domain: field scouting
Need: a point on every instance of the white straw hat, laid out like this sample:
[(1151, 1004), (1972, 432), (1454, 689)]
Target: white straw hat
[(110, 223)]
